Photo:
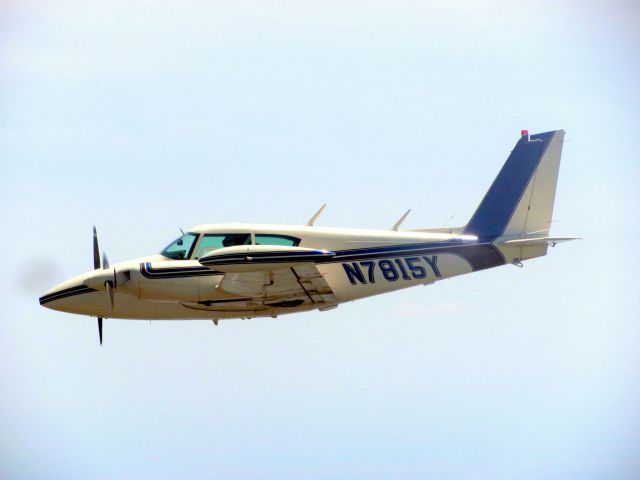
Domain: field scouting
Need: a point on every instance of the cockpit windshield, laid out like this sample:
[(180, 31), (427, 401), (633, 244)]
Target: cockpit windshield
[(181, 248)]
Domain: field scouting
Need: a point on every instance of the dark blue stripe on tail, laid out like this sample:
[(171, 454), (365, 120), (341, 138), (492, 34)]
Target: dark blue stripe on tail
[(492, 216)]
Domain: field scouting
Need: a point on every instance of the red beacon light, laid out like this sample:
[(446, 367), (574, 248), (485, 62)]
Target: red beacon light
[(524, 133)]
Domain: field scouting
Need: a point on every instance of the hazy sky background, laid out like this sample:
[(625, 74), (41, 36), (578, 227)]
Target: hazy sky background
[(144, 117)]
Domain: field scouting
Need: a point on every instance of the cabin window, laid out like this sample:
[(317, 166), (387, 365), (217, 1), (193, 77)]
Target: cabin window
[(180, 249), (269, 239), (212, 242)]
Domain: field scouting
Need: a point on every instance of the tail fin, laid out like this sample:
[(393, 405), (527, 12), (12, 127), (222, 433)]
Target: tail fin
[(520, 200)]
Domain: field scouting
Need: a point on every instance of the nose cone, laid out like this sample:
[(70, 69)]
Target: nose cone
[(67, 296)]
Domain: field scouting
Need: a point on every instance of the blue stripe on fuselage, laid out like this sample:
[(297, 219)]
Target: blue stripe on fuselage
[(478, 255)]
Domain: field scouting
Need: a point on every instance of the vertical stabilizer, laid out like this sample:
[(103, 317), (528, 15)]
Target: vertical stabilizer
[(520, 200)]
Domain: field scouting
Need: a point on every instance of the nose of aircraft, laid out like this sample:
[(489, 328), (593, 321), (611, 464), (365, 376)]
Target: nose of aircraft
[(70, 296)]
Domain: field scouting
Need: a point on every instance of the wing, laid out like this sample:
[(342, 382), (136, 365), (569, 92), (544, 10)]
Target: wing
[(290, 286), (258, 278), (257, 293)]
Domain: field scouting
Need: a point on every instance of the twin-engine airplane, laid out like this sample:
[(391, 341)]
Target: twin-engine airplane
[(248, 270)]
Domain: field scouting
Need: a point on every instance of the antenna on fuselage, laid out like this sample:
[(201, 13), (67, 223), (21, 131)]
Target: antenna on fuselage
[(396, 225), (313, 219), (447, 222), (182, 232)]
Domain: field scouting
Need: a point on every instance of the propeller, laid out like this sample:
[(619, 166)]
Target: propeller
[(110, 292), (96, 250), (109, 284), (107, 279)]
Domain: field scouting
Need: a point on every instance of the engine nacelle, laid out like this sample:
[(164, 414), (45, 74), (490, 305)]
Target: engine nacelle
[(165, 281), (176, 280)]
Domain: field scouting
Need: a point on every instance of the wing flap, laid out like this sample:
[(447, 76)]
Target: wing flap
[(314, 284)]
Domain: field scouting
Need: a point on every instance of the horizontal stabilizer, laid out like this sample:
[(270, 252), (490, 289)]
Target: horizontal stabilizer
[(532, 242)]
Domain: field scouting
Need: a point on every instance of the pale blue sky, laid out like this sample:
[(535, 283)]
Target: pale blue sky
[(144, 117)]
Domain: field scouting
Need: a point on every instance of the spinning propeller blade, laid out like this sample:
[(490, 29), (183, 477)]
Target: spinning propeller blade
[(96, 250), (105, 264), (110, 292)]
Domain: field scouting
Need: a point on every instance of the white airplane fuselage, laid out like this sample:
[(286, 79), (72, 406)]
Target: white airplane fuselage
[(367, 262), (253, 270)]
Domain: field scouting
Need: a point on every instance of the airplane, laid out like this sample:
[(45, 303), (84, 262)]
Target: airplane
[(229, 271)]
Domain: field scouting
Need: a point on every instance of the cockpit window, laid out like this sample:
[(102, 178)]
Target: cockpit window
[(188, 246), (181, 248), (269, 239), (211, 242)]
